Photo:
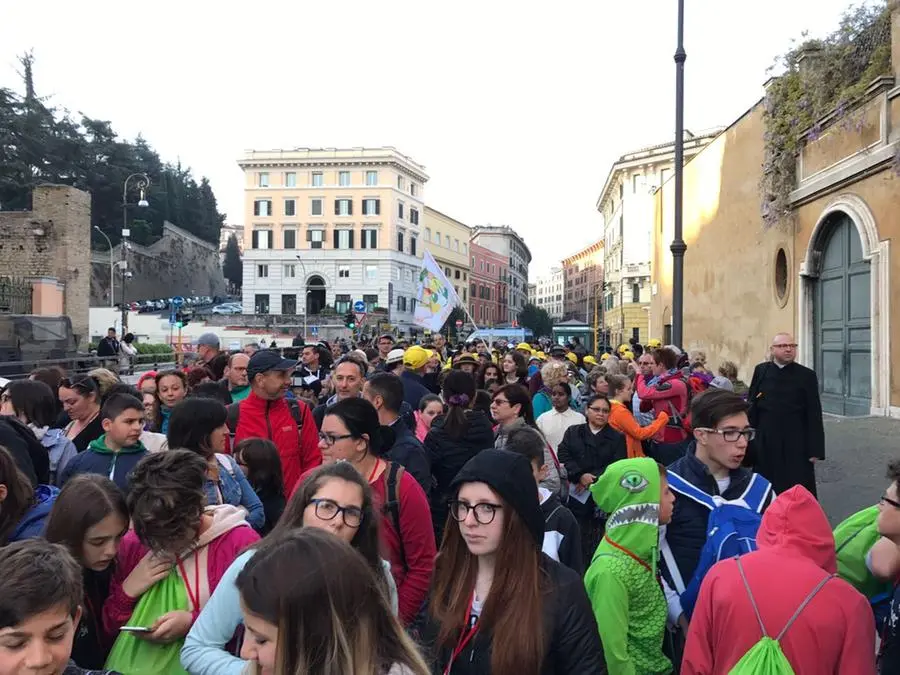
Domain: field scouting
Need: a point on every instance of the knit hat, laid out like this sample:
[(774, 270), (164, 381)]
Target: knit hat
[(509, 475)]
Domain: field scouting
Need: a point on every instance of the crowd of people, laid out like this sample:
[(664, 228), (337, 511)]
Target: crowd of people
[(398, 508)]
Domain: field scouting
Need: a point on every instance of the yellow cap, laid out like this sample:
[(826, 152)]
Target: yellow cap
[(416, 357), (654, 343), (541, 355), (604, 357), (622, 349), (524, 346), (571, 356), (590, 360), (629, 355)]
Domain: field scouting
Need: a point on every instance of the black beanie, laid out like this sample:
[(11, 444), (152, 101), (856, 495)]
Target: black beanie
[(509, 475)]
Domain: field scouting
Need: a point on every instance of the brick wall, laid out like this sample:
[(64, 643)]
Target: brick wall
[(53, 240)]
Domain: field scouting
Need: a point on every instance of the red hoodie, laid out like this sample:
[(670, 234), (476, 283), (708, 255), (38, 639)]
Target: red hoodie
[(299, 452), (835, 633)]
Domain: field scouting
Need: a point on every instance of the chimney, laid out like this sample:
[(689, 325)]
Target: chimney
[(809, 57), (894, 8)]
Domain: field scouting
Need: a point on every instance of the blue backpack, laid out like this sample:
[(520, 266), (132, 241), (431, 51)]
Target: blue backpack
[(730, 530)]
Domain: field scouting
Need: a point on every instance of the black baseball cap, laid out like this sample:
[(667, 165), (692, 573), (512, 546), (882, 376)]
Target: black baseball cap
[(268, 359)]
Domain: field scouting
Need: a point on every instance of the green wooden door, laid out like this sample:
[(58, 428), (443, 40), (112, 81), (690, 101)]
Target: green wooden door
[(843, 323)]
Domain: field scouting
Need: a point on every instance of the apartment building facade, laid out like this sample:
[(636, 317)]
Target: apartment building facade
[(488, 286), (327, 227), (582, 274), (505, 241), (627, 204), (548, 291), (447, 240)]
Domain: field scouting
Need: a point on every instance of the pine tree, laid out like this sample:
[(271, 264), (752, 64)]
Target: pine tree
[(233, 267)]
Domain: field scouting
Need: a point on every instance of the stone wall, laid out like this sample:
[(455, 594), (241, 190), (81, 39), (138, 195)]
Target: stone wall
[(53, 241), (177, 264)]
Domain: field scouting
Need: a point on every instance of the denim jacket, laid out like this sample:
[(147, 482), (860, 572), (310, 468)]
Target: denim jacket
[(234, 488)]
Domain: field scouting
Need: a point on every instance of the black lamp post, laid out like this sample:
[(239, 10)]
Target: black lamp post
[(143, 182), (678, 246)]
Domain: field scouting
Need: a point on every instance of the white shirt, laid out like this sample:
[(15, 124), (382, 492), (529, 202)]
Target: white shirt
[(553, 424), (723, 484)]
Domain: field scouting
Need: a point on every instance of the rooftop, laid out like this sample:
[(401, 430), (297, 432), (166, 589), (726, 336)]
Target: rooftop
[(387, 154)]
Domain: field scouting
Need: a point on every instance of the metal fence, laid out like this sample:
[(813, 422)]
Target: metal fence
[(15, 295), (81, 365)]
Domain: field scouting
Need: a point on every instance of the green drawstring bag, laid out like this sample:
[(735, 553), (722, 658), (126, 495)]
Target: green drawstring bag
[(133, 656), (766, 657)]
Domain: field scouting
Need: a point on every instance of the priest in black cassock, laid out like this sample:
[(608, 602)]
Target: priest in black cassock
[(787, 414)]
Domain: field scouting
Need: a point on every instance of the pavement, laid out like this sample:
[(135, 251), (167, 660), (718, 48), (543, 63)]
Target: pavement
[(857, 450)]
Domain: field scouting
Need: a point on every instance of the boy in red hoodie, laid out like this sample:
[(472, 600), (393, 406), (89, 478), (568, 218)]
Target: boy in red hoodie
[(834, 632)]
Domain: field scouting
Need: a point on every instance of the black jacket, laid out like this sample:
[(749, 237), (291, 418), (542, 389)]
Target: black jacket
[(686, 533), (582, 451), (108, 347), (562, 535), (413, 388), (448, 455), (407, 451), (29, 455), (572, 639), (90, 646), (273, 505)]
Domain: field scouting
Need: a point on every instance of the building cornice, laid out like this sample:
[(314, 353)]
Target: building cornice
[(587, 251), (333, 157)]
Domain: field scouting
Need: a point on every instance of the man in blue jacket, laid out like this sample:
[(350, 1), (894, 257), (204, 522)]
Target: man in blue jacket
[(385, 392)]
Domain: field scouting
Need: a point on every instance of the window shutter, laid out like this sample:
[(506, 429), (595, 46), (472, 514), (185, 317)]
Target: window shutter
[(377, 207), (350, 206), (373, 242), (337, 208), (255, 239), (335, 237), (351, 238), (256, 208), (308, 235)]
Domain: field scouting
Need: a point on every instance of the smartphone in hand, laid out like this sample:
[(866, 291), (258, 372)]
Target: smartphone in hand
[(136, 629)]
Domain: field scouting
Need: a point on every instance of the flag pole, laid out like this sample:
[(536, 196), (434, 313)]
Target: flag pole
[(466, 310)]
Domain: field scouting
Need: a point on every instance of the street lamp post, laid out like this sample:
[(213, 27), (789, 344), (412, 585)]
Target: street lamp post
[(305, 295), (679, 247), (112, 268), (143, 182)]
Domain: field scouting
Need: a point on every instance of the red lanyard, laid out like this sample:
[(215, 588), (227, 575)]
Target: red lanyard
[(465, 638), (628, 553), (195, 599), (374, 469)]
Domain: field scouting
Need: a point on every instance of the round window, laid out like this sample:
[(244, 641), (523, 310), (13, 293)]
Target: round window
[(781, 274)]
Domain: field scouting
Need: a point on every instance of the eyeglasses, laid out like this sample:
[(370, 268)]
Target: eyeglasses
[(326, 509), (484, 511), (731, 435), (331, 439), (893, 502), (786, 345), (500, 401)]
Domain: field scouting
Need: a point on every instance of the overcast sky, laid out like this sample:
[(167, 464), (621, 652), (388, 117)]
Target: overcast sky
[(517, 109)]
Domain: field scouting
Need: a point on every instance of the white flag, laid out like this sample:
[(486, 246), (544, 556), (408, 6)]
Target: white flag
[(435, 296)]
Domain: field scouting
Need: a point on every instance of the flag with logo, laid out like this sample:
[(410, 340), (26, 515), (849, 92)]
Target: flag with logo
[(435, 296)]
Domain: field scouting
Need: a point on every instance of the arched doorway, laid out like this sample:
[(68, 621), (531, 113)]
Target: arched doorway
[(843, 320), (315, 294)]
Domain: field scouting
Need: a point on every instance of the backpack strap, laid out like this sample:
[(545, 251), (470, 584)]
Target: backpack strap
[(803, 604), (392, 475), (294, 407), (671, 565), (689, 490), (552, 513), (233, 417), (762, 628), (756, 493)]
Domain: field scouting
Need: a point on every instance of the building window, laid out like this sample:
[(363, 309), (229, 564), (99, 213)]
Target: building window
[(401, 303), (427, 234), (437, 240), (465, 248), (261, 303), (412, 245), (344, 272), (343, 207), (290, 271), (400, 242), (369, 239), (261, 239), (371, 302), (407, 275), (344, 178), (447, 241), (635, 292), (262, 179), (400, 210), (341, 304), (414, 216), (262, 271), (456, 273), (636, 334), (371, 273), (413, 188), (290, 179), (472, 290), (290, 207), (262, 207), (401, 183), (315, 238), (371, 207), (781, 277), (315, 207), (371, 178), (316, 179), (343, 239), (289, 238), (447, 272), (289, 304), (456, 245)]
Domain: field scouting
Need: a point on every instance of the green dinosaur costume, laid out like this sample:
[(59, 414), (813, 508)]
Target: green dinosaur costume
[(621, 582)]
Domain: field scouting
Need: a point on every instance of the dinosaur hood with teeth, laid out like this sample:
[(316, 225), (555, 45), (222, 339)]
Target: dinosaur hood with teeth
[(629, 491)]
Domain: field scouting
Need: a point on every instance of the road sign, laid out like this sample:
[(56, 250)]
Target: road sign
[(172, 315), (458, 323), (315, 331), (359, 307), (360, 317), (177, 301)]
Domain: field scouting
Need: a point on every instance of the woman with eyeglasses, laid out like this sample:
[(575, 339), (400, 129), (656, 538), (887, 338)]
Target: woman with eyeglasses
[(351, 433), (498, 604), (333, 497), (586, 450), (80, 399)]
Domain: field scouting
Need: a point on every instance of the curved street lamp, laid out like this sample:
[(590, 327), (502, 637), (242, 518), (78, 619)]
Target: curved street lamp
[(112, 274), (143, 182)]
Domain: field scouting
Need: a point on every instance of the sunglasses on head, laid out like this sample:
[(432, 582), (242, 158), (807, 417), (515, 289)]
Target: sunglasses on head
[(84, 385)]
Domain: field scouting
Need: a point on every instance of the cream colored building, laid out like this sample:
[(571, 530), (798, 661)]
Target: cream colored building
[(325, 228), (547, 292), (447, 240), (627, 206)]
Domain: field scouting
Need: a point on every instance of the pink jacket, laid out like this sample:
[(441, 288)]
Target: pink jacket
[(421, 427), (219, 545), (668, 395)]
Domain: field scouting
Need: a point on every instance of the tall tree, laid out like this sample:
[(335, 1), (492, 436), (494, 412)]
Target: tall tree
[(537, 319), (233, 267)]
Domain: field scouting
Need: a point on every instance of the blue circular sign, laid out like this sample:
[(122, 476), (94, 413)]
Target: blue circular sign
[(178, 301), (359, 306)]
